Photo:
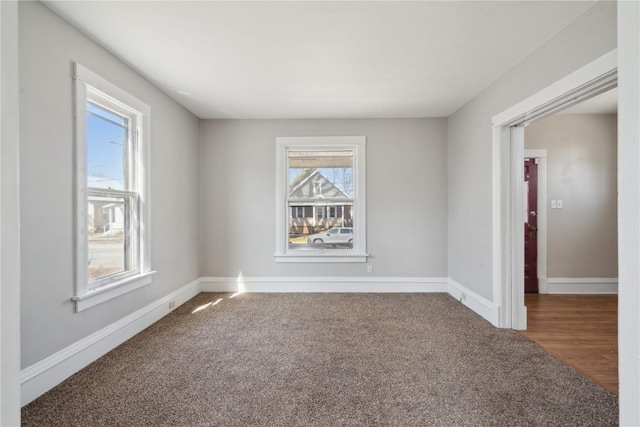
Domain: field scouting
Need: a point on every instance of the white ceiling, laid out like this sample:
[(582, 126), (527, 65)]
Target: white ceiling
[(321, 59)]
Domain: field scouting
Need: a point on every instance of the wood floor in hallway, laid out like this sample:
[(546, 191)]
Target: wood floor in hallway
[(580, 330)]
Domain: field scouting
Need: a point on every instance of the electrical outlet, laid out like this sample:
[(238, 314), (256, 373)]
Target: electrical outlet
[(172, 303), (369, 268)]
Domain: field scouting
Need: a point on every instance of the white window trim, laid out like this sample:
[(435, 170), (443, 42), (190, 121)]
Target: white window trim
[(88, 84), (358, 145)]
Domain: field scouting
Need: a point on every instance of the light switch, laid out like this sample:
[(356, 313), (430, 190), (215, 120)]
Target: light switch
[(554, 204), (559, 204)]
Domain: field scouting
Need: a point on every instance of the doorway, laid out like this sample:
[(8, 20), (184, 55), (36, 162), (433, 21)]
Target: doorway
[(580, 148), (578, 324), (530, 225), (508, 146)]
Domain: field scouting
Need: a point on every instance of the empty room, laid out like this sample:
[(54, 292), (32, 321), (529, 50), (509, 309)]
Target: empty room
[(308, 213)]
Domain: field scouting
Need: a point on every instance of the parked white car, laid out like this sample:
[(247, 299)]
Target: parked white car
[(332, 236)]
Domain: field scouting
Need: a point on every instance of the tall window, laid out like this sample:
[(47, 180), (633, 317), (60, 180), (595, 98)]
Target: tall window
[(326, 177), (111, 191)]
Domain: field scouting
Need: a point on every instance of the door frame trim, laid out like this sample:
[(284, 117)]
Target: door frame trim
[(592, 79), (9, 215)]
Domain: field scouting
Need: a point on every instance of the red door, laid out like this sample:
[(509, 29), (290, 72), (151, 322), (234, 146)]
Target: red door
[(531, 226)]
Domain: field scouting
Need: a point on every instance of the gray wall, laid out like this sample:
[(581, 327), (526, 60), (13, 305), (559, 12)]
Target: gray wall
[(470, 139), (406, 196), (582, 238), (48, 47)]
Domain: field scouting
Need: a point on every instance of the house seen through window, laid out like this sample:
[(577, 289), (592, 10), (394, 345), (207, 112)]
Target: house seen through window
[(320, 182)]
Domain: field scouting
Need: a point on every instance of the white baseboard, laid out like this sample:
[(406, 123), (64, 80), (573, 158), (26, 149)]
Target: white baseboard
[(46, 374), (480, 305), (582, 285), (356, 284), (475, 302), (543, 285)]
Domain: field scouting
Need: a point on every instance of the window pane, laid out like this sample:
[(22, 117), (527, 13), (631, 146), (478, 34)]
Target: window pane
[(107, 136), (107, 219), (320, 184), (320, 174), (310, 231)]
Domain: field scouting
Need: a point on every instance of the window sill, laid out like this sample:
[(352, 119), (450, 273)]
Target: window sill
[(108, 292), (319, 257)]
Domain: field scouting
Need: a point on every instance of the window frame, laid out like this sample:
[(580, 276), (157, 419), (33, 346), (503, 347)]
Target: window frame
[(356, 144), (90, 87)]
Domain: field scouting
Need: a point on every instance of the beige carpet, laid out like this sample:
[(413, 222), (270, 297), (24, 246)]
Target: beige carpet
[(325, 360)]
